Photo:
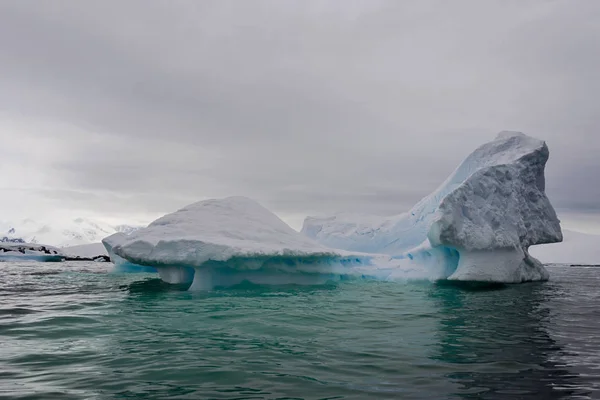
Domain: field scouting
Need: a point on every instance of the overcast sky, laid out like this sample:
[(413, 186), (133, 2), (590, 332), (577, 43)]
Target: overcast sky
[(126, 110)]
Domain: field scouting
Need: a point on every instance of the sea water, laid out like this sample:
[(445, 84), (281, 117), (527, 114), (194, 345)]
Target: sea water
[(75, 331)]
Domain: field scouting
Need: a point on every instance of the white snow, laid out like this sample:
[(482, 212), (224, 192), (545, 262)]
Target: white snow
[(29, 252), (490, 210), (227, 241), (576, 248), (216, 230)]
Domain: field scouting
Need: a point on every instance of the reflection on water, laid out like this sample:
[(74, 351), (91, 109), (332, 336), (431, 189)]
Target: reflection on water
[(500, 346), (152, 286)]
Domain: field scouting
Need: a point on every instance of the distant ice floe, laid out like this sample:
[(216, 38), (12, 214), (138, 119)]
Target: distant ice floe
[(29, 252)]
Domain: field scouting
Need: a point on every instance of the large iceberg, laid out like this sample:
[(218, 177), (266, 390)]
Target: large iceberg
[(480, 222), (477, 226)]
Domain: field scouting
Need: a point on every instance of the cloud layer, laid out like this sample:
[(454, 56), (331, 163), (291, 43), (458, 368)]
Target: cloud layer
[(130, 109)]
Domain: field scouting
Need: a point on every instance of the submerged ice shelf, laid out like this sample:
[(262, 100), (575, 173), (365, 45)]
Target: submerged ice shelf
[(477, 226)]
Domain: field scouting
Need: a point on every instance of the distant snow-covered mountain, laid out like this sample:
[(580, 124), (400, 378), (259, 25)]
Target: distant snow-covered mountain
[(86, 250), (65, 233)]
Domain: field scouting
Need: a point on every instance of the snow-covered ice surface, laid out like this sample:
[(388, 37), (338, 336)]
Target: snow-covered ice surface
[(224, 242), (481, 221), (576, 249), (30, 252), (121, 264), (216, 230)]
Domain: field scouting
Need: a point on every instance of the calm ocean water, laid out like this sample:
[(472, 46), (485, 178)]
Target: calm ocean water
[(74, 331)]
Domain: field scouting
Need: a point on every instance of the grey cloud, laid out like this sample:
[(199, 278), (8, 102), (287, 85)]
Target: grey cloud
[(310, 107)]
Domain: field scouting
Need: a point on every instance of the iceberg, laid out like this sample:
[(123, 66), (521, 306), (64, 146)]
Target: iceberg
[(480, 222), (20, 251), (121, 264), (223, 242), (477, 226)]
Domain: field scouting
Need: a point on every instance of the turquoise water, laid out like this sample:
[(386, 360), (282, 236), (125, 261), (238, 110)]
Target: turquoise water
[(74, 331)]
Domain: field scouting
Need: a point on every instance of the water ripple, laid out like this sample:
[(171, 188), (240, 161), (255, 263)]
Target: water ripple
[(72, 330)]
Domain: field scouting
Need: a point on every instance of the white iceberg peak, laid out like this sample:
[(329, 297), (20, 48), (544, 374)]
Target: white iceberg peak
[(490, 209)]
